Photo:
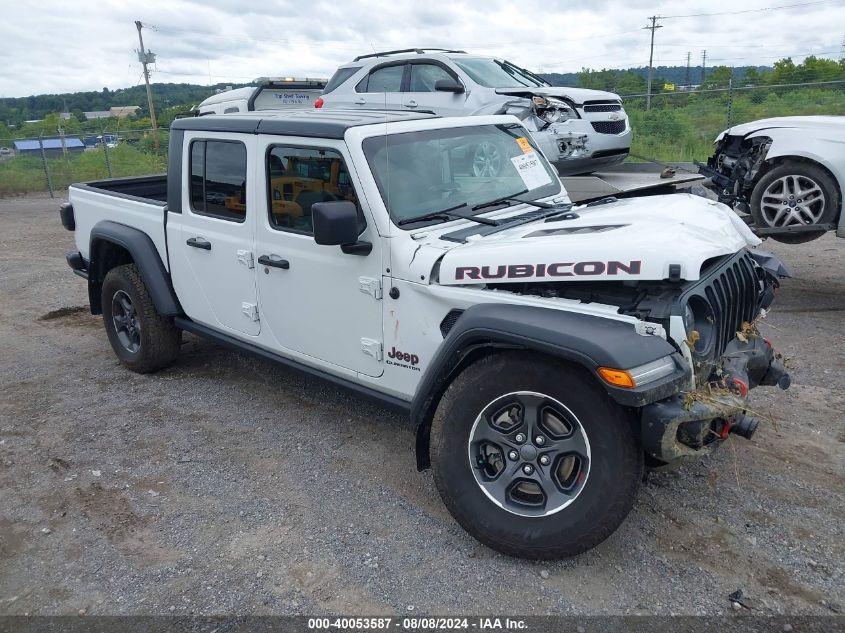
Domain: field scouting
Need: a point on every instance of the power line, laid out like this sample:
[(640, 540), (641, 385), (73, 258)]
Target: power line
[(761, 10), (654, 26), (145, 58)]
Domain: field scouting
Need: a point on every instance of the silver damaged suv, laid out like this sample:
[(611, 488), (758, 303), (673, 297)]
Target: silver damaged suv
[(579, 130)]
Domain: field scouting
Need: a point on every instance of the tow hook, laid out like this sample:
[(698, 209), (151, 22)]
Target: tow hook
[(744, 426)]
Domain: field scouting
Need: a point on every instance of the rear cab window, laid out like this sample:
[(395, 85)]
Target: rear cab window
[(218, 179)]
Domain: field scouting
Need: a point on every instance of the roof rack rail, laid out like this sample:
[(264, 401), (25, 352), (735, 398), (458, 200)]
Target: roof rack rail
[(418, 51)]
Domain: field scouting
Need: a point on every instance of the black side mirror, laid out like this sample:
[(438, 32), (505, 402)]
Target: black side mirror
[(448, 85), (336, 224)]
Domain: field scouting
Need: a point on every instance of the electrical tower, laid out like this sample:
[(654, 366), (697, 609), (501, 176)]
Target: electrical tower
[(687, 76), (703, 64), (148, 58), (653, 27)]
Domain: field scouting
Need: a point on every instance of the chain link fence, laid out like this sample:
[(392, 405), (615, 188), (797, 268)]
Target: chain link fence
[(680, 126), (51, 163)]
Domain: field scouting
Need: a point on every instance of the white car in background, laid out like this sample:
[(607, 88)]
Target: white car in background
[(787, 173), (268, 93), (579, 130)]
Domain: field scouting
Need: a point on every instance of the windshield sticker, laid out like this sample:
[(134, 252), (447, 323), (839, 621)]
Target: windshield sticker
[(531, 170), (524, 145)]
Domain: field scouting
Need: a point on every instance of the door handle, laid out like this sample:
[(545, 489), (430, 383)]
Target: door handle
[(411, 104), (265, 260), (360, 102), (198, 242)]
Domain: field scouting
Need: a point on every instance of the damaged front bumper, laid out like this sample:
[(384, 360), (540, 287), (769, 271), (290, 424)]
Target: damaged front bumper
[(574, 146), (695, 422)]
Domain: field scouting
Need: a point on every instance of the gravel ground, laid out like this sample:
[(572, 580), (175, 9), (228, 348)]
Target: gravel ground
[(227, 485)]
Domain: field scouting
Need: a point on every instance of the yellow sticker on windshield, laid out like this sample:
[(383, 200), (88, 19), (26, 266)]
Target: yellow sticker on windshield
[(524, 145)]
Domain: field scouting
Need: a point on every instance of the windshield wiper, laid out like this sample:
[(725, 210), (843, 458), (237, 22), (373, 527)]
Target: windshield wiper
[(449, 214), (513, 198)]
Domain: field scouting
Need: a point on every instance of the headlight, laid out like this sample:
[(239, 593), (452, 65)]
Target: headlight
[(698, 317), (552, 110)]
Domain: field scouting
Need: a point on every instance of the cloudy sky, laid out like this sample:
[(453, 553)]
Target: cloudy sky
[(66, 46)]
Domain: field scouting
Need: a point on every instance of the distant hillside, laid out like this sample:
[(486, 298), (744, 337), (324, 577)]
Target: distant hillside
[(16, 110), (671, 74)]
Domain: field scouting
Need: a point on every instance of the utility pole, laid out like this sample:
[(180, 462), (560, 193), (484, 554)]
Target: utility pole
[(703, 64), (687, 77), (148, 58), (654, 26)]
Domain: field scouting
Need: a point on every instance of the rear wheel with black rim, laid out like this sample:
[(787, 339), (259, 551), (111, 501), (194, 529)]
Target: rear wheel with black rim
[(532, 458), (142, 339)]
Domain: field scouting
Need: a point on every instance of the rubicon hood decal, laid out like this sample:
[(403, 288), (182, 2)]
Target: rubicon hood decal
[(650, 238)]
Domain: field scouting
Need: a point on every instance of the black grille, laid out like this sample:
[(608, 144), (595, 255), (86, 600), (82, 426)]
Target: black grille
[(609, 127), (603, 107), (732, 292), (449, 321)]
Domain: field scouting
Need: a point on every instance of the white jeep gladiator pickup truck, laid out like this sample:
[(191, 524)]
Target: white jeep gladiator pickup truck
[(545, 351)]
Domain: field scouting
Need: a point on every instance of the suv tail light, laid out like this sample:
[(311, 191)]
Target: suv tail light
[(318, 102)]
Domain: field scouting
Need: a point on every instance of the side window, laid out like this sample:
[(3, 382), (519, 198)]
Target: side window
[(385, 79), (218, 179), (297, 177), (423, 77)]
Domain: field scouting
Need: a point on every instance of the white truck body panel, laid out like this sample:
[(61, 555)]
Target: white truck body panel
[(93, 207)]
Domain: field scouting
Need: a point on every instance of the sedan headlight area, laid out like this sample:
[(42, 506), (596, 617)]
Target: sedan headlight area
[(640, 375)]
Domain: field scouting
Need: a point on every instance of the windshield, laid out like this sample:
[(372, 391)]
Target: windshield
[(492, 73), (421, 173)]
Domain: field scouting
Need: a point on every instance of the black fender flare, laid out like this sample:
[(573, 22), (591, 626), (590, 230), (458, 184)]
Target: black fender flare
[(145, 256), (586, 340)]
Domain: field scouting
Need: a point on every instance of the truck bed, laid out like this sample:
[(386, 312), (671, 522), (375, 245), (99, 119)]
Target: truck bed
[(139, 202)]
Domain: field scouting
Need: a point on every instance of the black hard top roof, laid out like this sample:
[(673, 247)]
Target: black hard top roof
[(314, 123)]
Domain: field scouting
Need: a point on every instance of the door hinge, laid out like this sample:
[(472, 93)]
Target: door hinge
[(370, 286), (245, 258), (371, 347), (251, 310)]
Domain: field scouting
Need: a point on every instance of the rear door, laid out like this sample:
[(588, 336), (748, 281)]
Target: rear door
[(381, 88), (211, 242)]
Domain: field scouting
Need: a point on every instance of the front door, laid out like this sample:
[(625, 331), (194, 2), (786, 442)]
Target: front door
[(315, 300), (211, 241), (421, 94)]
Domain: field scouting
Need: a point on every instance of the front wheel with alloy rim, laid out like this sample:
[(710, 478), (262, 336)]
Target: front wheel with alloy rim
[(795, 194), (141, 338), (532, 458)]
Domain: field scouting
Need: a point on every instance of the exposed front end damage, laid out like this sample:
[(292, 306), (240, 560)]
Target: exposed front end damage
[(711, 321), (735, 167), (576, 137), (695, 422)]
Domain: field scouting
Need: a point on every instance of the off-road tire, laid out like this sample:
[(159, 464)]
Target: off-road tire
[(616, 462), (801, 169), (159, 337)]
